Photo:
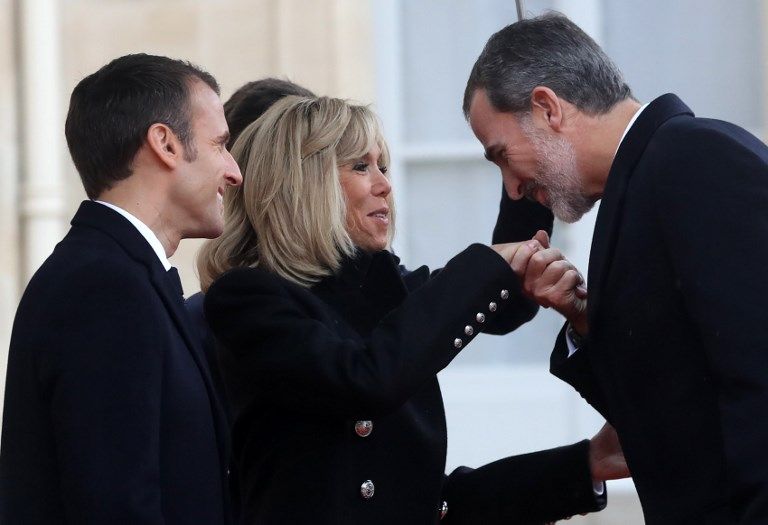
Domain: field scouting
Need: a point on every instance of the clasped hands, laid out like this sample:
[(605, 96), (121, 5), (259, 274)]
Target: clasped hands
[(548, 278)]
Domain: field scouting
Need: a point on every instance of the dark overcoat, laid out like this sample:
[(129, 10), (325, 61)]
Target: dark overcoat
[(338, 413), (677, 354), (110, 412)]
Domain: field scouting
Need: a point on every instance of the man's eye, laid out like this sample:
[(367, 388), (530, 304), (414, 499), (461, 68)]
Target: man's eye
[(360, 166)]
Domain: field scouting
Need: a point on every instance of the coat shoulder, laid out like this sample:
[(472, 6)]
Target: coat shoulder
[(697, 151), (250, 281)]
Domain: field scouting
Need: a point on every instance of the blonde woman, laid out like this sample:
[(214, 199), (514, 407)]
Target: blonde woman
[(330, 349)]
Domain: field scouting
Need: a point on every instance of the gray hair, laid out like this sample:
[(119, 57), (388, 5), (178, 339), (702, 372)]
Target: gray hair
[(549, 51)]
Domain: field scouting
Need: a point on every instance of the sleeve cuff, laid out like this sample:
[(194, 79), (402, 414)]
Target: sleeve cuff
[(569, 342), (598, 487)]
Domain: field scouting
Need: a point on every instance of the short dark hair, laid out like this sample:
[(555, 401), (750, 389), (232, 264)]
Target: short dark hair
[(111, 110), (254, 98), (550, 51)]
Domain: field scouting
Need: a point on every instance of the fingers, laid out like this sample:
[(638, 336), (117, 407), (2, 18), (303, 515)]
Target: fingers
[(509, 251), (547, 276), (542, 237), (522, 257), (565, 286), (539, 262), (556, 287), (552, 281)]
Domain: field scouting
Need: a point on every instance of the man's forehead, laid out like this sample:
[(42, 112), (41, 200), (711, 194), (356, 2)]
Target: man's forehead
[(484, 119)]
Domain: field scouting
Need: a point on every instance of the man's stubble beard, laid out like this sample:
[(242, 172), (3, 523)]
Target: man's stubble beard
[(557, 173)]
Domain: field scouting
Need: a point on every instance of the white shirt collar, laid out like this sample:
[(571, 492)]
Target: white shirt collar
[(631, 121), (145, 232)]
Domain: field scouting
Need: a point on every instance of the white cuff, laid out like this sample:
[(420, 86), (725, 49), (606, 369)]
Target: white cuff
[(571, 347), (598, 487)]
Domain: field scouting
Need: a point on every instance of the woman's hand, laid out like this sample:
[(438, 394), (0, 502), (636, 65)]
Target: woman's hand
[(517, 254)]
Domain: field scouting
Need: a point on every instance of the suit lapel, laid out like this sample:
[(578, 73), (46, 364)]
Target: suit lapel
[(174, 302), (94, 215), (609, 216)]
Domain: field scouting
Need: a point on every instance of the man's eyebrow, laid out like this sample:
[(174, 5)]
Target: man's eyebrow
[(223, 138)]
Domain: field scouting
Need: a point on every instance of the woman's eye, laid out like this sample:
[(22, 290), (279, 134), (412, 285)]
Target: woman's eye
[(383, 169), (360, 166)]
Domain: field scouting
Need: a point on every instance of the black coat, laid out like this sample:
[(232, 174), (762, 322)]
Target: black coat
[(677, 355), (110, 413), (305, 368)]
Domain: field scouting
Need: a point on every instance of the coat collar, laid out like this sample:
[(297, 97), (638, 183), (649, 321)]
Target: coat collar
[(363, 267), (365, 288), (111, 223), (366, 269), (629, 153)]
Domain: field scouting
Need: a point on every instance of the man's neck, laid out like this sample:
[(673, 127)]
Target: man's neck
[(148, 209), (599, 142)]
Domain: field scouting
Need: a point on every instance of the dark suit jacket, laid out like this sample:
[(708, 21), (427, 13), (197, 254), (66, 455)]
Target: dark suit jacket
[(303, 366), (110, 415), (677, 355)]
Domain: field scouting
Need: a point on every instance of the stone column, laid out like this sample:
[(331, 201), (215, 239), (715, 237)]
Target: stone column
[(9, 226), (42, 124)]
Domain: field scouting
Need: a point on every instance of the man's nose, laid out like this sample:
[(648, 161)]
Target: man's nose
[(513, 186), (233, 175)]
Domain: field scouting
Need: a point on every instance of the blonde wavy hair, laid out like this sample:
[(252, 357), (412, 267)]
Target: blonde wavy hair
[(289, 215)]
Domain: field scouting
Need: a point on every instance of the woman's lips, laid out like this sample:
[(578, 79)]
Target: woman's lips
[(381, 216)]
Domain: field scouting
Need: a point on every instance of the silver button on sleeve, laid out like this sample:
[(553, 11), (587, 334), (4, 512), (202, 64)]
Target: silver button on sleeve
[(504, 294), (458, 343), (492, 307), (480, 317), (469, 330), (363, 428), (367, 489)]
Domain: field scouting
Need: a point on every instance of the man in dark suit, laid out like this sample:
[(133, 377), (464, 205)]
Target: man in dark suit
[(672, 347), (110, 412)]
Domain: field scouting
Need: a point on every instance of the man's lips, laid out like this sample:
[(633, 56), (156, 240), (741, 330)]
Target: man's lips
[(537, 193)]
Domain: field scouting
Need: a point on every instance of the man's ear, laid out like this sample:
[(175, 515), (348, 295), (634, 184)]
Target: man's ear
[(546, 108), (164, 144)]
